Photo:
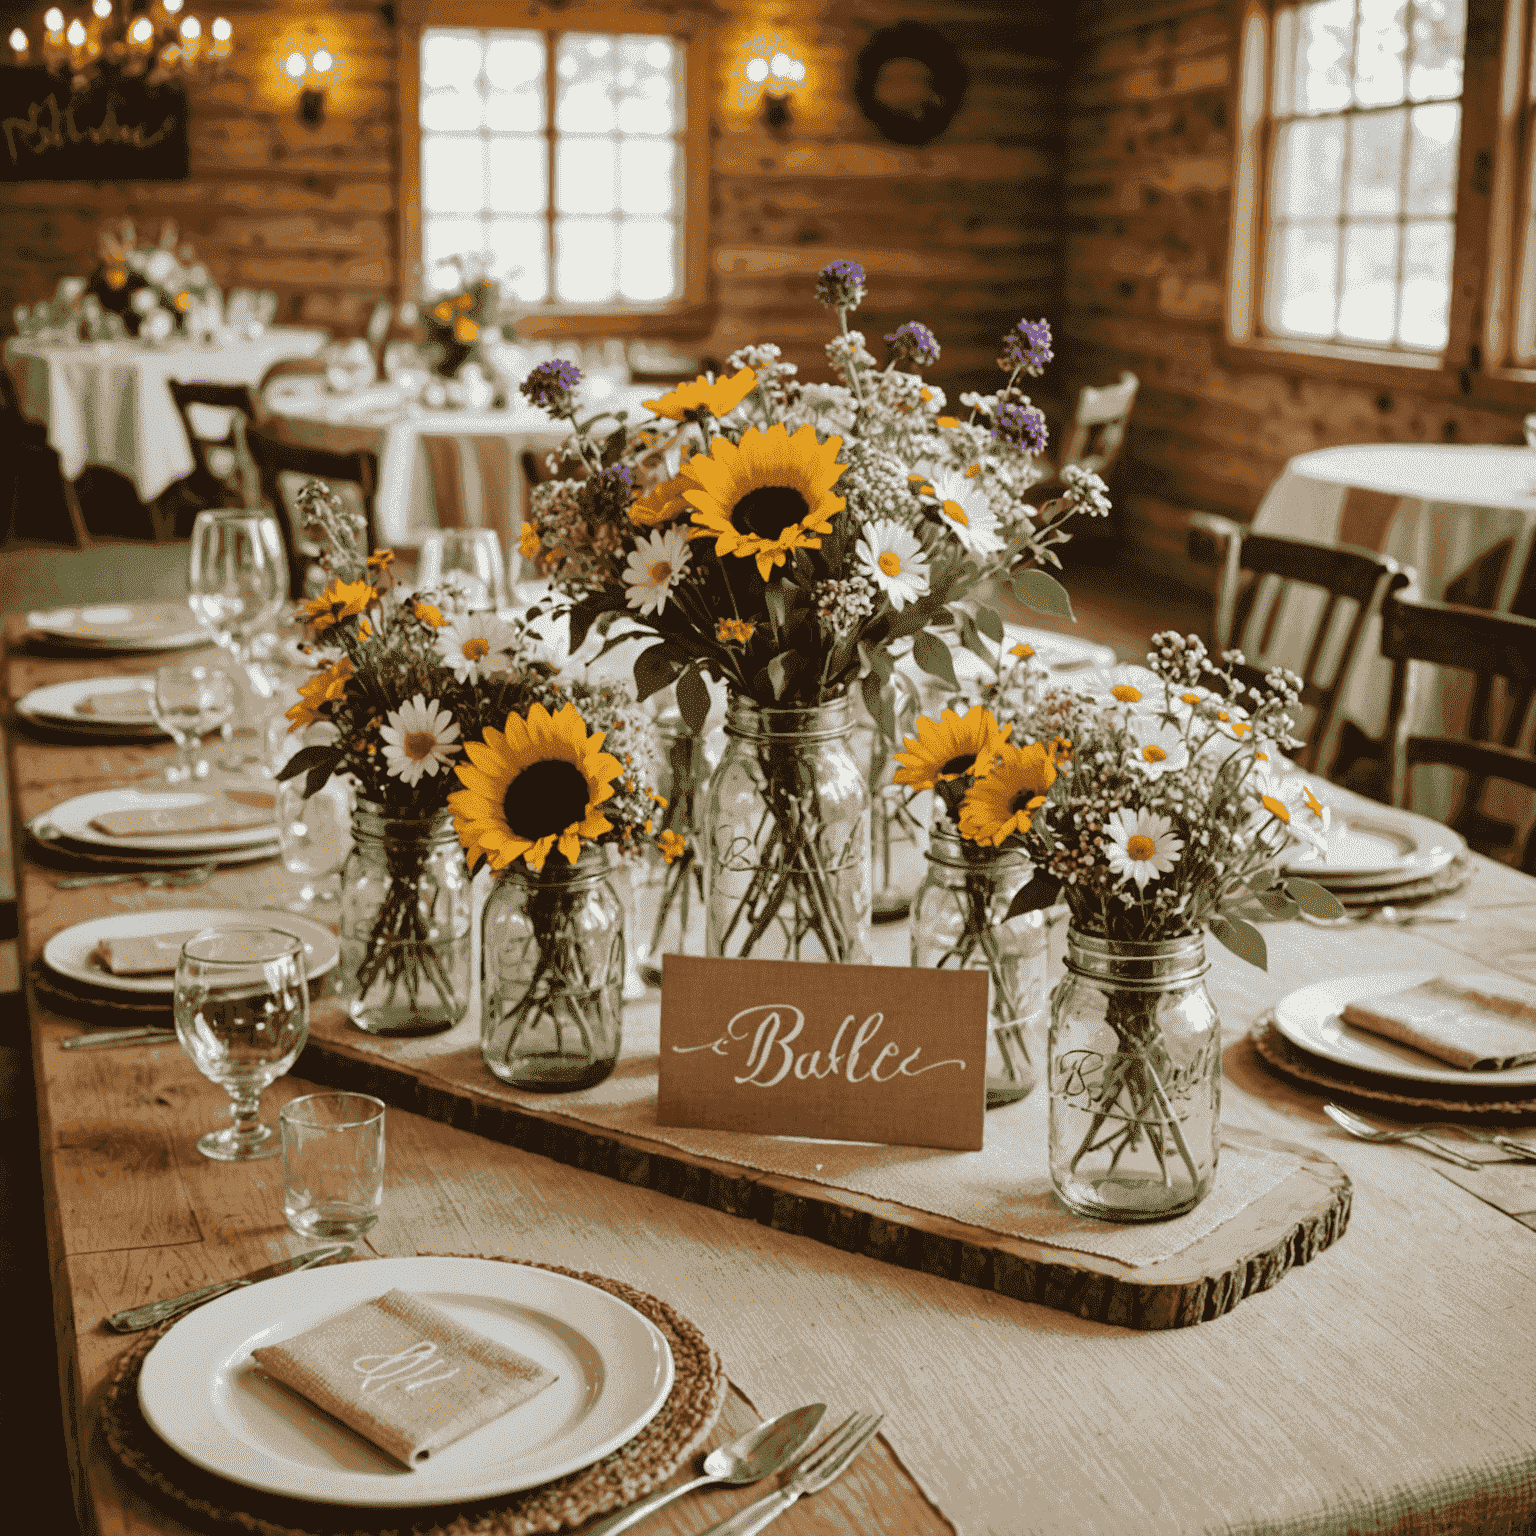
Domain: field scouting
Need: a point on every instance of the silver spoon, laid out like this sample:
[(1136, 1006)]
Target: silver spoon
[(759, 1453), (1349, 1121)]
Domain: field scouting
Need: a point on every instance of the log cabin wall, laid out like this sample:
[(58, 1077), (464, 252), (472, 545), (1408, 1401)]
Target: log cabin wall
[(963, 233), (1149, 173)]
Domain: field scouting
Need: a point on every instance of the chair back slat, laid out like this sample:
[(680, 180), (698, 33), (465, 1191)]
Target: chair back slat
[(447, 478), (1098, 425), (493, 458)]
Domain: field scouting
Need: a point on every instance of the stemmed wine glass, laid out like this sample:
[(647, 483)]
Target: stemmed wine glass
[(237, 583), (187, 703), (316, 836), (242, 1015), (472, 557)]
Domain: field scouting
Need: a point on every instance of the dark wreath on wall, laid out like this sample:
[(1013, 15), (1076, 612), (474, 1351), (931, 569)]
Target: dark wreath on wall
[(910, 82)]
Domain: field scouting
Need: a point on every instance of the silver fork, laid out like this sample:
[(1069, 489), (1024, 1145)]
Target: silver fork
[(1347, 1120), (155, 879), (814, 1472)]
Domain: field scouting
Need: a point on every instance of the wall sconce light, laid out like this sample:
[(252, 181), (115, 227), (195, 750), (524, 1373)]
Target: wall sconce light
[(312, 97), (776, 104)]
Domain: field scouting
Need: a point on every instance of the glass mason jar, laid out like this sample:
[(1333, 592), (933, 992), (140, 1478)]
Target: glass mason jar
[(786, 823), (1135, 1074), (898, 834), (958, 924), (552, 974), (406, 924)]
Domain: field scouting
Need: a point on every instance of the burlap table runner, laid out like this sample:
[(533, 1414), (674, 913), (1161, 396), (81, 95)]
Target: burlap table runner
[(638, 1467)]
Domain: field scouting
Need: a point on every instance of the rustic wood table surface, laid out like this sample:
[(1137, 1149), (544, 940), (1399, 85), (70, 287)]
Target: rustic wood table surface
[(1385, 1386)]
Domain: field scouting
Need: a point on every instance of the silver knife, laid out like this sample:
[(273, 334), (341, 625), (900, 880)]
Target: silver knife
[(145, 1034), (135, 1318)]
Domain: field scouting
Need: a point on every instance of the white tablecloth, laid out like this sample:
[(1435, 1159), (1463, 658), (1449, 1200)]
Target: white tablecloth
[(379, 419), (107, 402)]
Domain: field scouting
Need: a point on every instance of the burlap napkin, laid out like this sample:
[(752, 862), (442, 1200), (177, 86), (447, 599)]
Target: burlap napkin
[(218, 813), (124, 704), (144, 955), (404, 1375), (1465, 1026)]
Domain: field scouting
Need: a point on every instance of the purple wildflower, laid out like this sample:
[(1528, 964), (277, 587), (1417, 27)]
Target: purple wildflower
[(1028, 347), (551, 386), (840, 285), (913, 345), (1021, 425)]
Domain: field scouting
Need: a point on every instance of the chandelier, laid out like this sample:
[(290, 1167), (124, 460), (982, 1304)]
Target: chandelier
[(154, 39)]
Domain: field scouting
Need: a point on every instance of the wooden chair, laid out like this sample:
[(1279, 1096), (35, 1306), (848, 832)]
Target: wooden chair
[(1097, 433), (37, 504), (282, 467), (1259, 573), (1496, 648), (215, 479), (288, 368), (472, 484)]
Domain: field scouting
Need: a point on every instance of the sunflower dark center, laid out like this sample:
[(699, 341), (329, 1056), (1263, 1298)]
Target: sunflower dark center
[(769, 510), (545, 798), (961, 764), (1020, 801)]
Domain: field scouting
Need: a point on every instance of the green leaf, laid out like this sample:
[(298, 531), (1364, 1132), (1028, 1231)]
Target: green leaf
[(932, 655), (693, 700), (614, 447), (655, 668), (1041, 890), (777, 600), (317, 778), (990, 624), (971, 639), (877, 661), (1313, 899), (878, 702), (582, 615), (1243, 939), (1276, 903), (1043, 593), (780, 670), (308, 758)]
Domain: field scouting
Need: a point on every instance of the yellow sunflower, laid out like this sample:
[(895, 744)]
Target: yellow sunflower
[(719, 398), (1000, 803), (429, 614), (323, 688), (465, 330), (661, 504), (952, 746), (530, 545), (767, 496), (533, 788), (339, 601)]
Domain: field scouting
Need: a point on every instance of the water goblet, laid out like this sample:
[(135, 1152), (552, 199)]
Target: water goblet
[(188, 702), (316, 836), (473, 557), (242, 1015)]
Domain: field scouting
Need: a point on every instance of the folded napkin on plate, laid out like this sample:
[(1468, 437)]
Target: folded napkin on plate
[(404, 1375), (215, 814), (145, 955), (125, 704), (1465, 1026)]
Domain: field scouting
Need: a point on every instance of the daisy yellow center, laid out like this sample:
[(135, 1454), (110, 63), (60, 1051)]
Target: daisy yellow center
[(545, 798), (1153, 753), (661, 571), (1140, 848), (973, 471), (890, 563), (1125, 693), (418, 745), (768, 510), (476, 648), (1190, 698), (1277, 808), (956, 513)]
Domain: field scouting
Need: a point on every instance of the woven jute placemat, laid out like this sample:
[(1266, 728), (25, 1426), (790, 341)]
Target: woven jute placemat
[(77, 1001), (1444, 1102), (638, 1467)]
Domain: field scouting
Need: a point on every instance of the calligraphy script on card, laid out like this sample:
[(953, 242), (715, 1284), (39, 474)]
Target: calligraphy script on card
[(839, 1052)]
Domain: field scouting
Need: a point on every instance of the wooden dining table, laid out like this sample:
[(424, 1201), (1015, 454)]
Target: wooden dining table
[(1386, 1386)]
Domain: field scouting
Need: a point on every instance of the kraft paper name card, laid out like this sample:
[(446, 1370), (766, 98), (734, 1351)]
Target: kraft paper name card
[(839, 1052)]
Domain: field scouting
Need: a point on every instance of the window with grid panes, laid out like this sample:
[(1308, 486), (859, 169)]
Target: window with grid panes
[(1364, 120), (558, 156)]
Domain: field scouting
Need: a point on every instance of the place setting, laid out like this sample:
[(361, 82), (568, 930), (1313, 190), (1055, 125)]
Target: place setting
[(116, 628)]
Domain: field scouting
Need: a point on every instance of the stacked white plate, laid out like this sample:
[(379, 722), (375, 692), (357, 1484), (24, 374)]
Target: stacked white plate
[(1374, 850), (57, 708), (120, 627), (70, 829)]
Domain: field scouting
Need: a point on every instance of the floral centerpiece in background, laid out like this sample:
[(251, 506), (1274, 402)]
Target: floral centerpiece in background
[(454, 323), (457, 739), (1154, 809), (135, 280), (784, 539)]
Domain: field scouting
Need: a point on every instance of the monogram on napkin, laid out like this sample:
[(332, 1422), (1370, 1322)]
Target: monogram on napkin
[(404, 1375), (1480, 1031)]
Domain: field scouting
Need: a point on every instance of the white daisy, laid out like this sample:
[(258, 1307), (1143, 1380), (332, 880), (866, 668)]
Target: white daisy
[(893, 559), (964, 511), (1159, 748), (1135, 689), (1232, 721), (1141, 846), (418, 738), (1289, 799), (656, 563), (478, 645)]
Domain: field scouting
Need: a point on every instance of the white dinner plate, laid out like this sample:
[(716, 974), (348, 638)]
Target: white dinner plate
[(44, 832), (56, 704), (205, 1397), (122, 626), (69, 953), (1310, 1018), (1385, 847), (73, 820)]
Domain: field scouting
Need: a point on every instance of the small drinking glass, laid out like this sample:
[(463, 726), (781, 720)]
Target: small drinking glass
[(187, 703), (333, 1164), (242, 1015), (316, 836), (475, 554)]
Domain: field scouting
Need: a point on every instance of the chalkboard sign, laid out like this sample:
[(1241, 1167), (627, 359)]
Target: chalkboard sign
[(120, 129)]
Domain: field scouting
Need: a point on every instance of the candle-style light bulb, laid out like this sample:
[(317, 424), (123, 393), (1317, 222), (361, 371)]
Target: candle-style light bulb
[(53, 20), (76, 33), (101, 8), (141, 31), (320, 62), (296, 64), (222, 30), (171, 6), (757, 70), (18, 41), (191, 27)]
